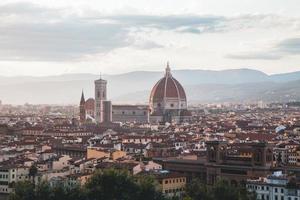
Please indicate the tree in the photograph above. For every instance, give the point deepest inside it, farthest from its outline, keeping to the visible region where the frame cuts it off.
(148, 188)
(223, 191)
(42, 191)
(23, 191)
(111, 184)
(197, 190)
(33, 172)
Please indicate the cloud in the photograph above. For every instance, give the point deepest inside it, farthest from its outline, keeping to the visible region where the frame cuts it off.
(59, 41)
(29, 32)
(255, 55)
(183, 23)
(290, 46)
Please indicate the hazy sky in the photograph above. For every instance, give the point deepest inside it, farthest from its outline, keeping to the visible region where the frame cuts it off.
(45, 37)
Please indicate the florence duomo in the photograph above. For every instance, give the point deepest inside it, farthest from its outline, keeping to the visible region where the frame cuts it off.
(221, 121)
(167, 103)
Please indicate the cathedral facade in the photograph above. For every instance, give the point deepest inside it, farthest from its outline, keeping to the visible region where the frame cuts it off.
(168, 103)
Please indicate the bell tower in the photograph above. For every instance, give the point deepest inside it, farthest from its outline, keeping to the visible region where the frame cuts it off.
(100, 96)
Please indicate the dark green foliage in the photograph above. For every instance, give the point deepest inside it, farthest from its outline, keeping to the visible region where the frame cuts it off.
(23, 191)
(106, 185)
(197, 190)
(222, 190)
(119, 185)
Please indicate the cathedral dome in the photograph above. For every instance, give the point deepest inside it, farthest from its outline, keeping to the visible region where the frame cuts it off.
(167, 88)
(167, 95)
(90, 104)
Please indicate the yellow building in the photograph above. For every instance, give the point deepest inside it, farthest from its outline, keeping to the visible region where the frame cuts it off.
(171, 184)
(117, 154)
(97, 153)
(298, 157)
(94, 153)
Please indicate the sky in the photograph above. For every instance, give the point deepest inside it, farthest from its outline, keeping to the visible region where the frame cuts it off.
(43, 37)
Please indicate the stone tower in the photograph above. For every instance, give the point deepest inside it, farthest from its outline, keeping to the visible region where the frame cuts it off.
(82, 114)
(100, 96)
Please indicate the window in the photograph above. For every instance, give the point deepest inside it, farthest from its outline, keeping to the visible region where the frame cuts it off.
(166, 182)
(276, 190)
(276, 197)
(282, 191)
(172, 105)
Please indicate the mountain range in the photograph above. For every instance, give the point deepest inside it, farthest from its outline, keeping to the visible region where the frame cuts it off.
(202, 86)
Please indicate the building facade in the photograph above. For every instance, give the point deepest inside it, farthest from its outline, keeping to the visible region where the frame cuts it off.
(274, 187)
(130, 113)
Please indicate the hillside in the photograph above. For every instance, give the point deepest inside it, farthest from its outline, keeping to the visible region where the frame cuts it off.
(134, 87)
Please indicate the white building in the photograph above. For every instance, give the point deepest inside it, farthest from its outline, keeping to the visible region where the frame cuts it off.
(274, 187)
(10, 175)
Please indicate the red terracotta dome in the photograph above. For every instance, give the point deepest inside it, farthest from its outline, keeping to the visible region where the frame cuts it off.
(167, 87)
(90, 104)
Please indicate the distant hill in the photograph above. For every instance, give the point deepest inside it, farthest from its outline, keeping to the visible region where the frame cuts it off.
(293, 76)
(134, 87)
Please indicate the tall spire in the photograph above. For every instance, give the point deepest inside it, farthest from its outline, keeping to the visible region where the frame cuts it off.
(82, 97)
(168, 69)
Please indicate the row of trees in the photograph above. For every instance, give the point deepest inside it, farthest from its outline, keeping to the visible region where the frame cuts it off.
(106, 185)
(119, 185)
(222, 190)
